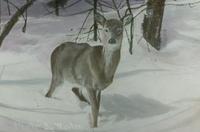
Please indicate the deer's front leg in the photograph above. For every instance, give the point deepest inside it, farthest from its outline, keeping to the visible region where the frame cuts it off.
(98, 93)
(79, 94)
(94, 107)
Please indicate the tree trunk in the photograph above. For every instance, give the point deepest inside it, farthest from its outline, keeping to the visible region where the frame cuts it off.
(95, 23)
(153, 22)
(57, 7)
(13, 20)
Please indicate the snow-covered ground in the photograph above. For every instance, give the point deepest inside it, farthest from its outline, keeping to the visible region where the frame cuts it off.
(152, 91)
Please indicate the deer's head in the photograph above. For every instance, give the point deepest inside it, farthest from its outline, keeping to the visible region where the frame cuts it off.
(112, 30)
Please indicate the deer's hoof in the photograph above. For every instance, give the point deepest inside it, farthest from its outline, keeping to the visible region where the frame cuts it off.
(48, 96)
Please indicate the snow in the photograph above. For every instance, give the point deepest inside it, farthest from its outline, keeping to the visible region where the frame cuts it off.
(152, 91)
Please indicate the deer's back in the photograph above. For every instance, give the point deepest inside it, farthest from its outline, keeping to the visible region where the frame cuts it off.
(75, 63)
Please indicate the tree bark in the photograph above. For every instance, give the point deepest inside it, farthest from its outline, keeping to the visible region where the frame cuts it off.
(95, 23)
(153, 22)
(10, 24)
(57, 7)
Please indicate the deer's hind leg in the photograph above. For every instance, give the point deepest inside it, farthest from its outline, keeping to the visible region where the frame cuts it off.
(57, 74)
(79, 94)
(56, 81)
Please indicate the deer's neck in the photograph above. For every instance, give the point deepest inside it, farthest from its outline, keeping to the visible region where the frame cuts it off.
(111, 57)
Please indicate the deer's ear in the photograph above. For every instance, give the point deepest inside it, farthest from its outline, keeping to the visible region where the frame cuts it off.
(100, 19)
(127, 19)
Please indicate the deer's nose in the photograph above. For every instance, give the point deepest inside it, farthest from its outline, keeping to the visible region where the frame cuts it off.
(112, 41)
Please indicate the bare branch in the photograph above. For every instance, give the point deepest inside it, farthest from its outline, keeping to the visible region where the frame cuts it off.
(131, 28)
(26, 19)
(83, 25)
(15, 7)
(116, 8)
(8, 7)
(10, 24)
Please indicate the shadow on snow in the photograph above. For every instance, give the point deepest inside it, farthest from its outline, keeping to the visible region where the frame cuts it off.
(134, 106)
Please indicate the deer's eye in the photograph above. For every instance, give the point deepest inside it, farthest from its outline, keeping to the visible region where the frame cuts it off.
(106, 30)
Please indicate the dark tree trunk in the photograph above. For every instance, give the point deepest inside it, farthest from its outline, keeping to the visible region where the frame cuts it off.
(153, 22)
(57, 7)
(95, 23)
(13, 20)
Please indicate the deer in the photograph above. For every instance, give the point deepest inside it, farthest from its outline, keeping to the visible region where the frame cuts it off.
(91, 67)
